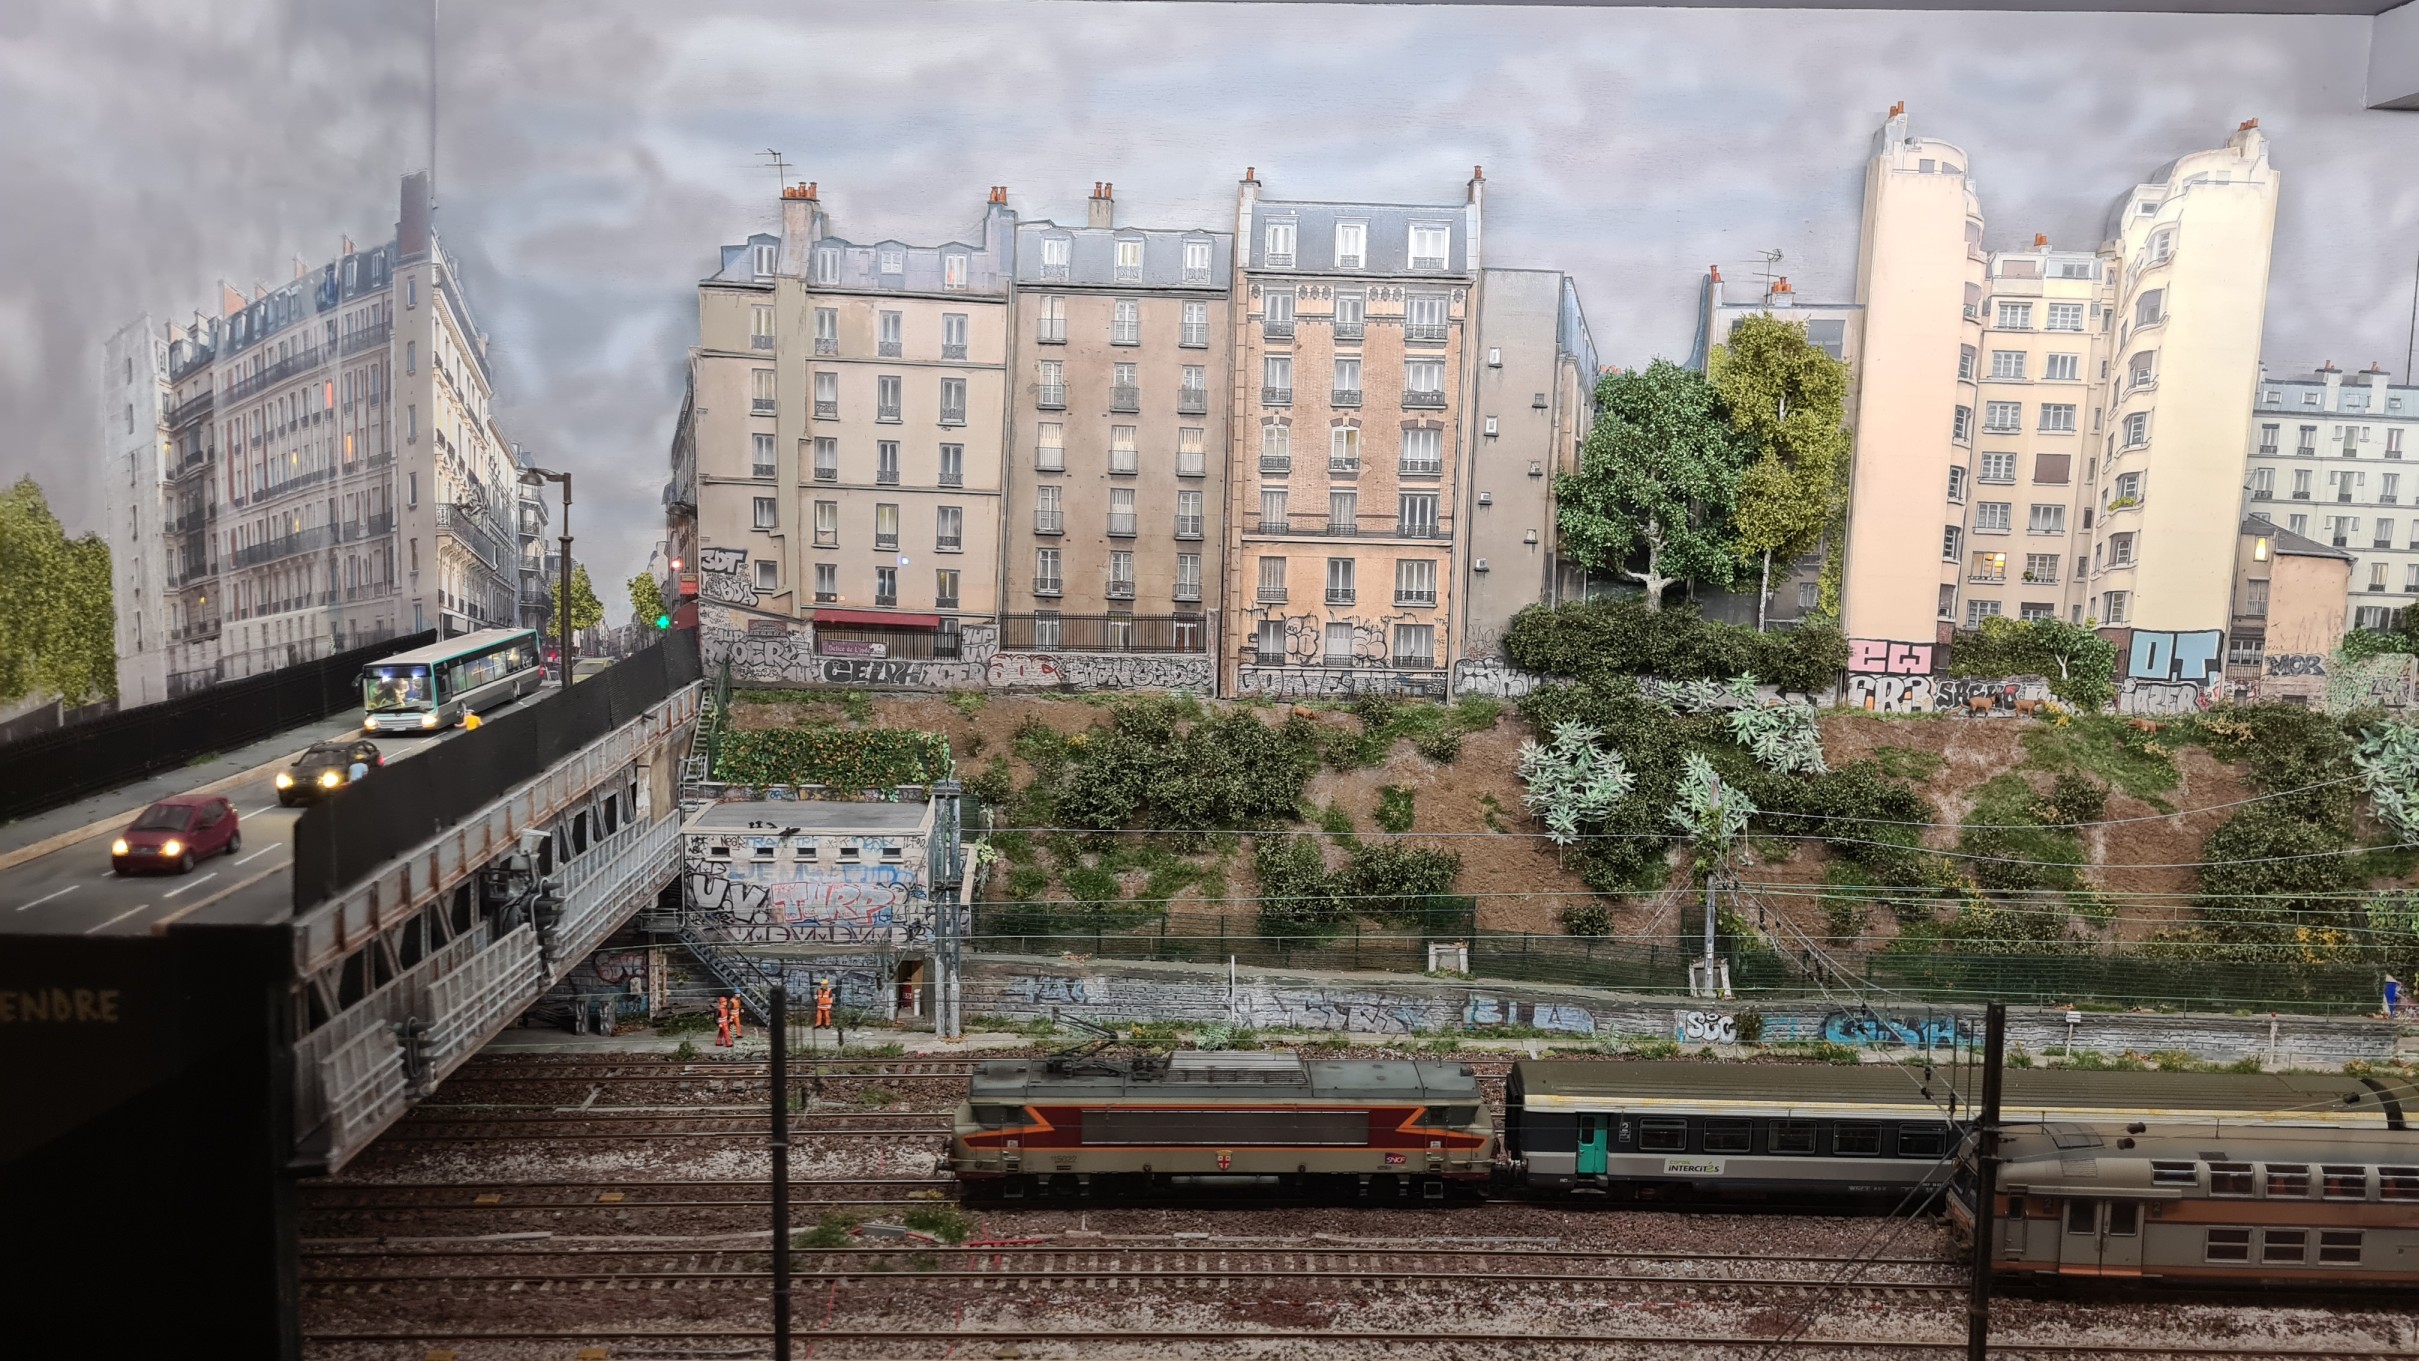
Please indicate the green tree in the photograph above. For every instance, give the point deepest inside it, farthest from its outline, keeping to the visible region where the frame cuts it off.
(646, 600)
(586, 611)
(1658, 478)
(58, 635)
(2083, 664)
(1789, 399)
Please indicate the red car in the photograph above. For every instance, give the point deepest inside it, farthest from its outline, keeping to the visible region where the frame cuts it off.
(174, 833)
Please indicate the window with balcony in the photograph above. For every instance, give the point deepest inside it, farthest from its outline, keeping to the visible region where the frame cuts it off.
(1344, 449)
(1121, 513)
(1056, 252)
(2308, 445)
(760, 327)
(2125, 491)
(1051, 388)
(1415, 646)
(949, 529)
(1191, 460)
(1046, 577)
(1193, 331)
(760, 394)
(1340, 581)
(2120, 550)
(1431, 244)
(1424, 318)
(2007, 365)
(886, 527)
(1272, 592)
(764, 463)
(1272, 510)
(1127, 266)
(2015, 316)
(1343, 512)
(886, 463)
(887, 389)
(890, 328)
(1276, 380)
(1277, 245)
(1337, 644)
(1188, 514)
(1415, 515)
(2301, 483)
(1276, 448)
(1125, 389)
(1050, 447)
(1125, 322)
(2041, 569)
(1347, 388)
(1351, 244)
(1998, 467)
(1350, 316)
(1268, 643)
(1277, 313)
(2347, 484)
(1121, 575)
(1424, 384)
(1423, 453)
(827, 524)
(953, 401)
(1046, 516)
(1197, 263)
(1988, 567)
(827, 583)
(953, 465)
(2263, 484)
(2393, 441)
(886, 586)
(827, 459)
(1192, 393)
(2057, 418)
(945, 588)
(2066, 316)
(827, 330)
(1188, 576)
(1123, 457)
(1415, 581)
(1050, 320)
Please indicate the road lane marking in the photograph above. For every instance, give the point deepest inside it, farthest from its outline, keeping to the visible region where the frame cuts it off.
(106, 874)
(260, 810)
(116, 919)
(160, 927)
(48, 896)
(258, 854)
(196, 883)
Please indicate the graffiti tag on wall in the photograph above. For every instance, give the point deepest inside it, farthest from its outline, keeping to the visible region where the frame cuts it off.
(1892, 694)
(1493, 678)
(2170, 673)
(1321, 1009)
(1882, 657)
(1338, 683)
(840, 904)
(1704, 1027)
(722, 576)
(1099, 671)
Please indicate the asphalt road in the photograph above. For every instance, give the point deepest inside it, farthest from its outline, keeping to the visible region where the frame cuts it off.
(73, 891)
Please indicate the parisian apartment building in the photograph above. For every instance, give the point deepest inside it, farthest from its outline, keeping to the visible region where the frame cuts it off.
(1259, 441)
(2330, 460)
(314, 467)
(2074, 421)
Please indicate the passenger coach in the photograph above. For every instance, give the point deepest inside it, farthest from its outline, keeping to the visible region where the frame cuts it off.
(1390, 1129)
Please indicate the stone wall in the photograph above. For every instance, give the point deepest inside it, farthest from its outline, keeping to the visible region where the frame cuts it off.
(1396, 1004)
(773, 650)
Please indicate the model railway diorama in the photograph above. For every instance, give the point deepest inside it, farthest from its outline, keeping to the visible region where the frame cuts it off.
(2299, 1179)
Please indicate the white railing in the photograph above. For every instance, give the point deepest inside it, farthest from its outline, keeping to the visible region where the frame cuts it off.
(363, 1081)
(503, 978)
(597, 889)
(404, 998)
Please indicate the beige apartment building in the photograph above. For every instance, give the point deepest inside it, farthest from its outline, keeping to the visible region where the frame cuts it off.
(845, 420)
(2019, 399)
(1350, 394)
(1535, 397)
(316, 467)
(2330, 456)
(1115, 501)
(2287, 613)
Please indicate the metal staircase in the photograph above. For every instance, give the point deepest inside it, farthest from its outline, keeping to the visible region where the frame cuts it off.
(733, 972)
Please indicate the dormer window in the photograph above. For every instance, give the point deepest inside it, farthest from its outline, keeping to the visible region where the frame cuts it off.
(1430, 245)
(1351, 244)
(1129, 259)
(1196, 262)
(827, 264)
(953, 270)
(766, 256)
(1277, 246)
(1055, 253)
(893, 260)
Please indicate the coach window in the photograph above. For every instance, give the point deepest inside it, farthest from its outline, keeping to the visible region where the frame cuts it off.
(2288, 1181)
(2174, 1173)
(1729, 1136)
(2124, 1218)
(2230, 1179)
(1663, 1136)
(2345, 1183)
(1793, 1136)
(2083, 1216)
(1855, 1139)
(1922, 1141)
(2227, 1245)
(2284, 1245)
(2339, 1247)
(2398, 1183)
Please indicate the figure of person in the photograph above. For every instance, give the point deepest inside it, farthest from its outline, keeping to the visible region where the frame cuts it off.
(823, 1004)
(722, 1022)
(739, 1021)
(2393, 995)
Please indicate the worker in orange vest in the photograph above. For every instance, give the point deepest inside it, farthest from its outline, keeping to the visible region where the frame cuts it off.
(739, 1021)
(823, 1004)
(722, 1022)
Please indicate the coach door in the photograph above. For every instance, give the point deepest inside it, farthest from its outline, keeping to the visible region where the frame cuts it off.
(2102, 1238)
(1591, 1145)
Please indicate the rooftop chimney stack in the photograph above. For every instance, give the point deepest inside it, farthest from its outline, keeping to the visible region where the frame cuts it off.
(2040, 240)
(801, 222)
(1102, 210)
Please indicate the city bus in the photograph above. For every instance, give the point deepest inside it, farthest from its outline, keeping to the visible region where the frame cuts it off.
(433, 687)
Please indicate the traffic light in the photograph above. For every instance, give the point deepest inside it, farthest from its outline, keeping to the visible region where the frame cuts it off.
(663, 621)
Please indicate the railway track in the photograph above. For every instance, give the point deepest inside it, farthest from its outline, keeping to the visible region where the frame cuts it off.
(549, 1129)
(801, 1066)
(634, 1194)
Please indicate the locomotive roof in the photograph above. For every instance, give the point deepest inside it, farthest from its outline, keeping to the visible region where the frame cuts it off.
(2068, 1159)
(2028, 1093)
(1246, 1078)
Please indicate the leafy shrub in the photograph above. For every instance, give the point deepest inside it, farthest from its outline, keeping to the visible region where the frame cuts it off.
(841, 758)
(1385, 880)
(1028, 882)
(1587, 917)
(1395, 805)
(2073, 798)
(1091, 884)
(1572, 781)
(945, 1222)
(2290, 872)
(1440, 746)
(2081, 665)
(968, 703)
(1334, 821)
(1783, 737)
(1750, 1027)
(1296, 898)
(2023, 855)
(1230, 770)
(1619, 636)
(994, 785)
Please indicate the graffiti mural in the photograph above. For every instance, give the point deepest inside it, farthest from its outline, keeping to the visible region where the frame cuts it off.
(2387, 681)
(2162, 656)
(1322, 1009)
(1881, 657)
(1920, 1031)
(1492, 678)
(841, 904)
(1891, 694)
(1704, 1027)
(1099, 671)
(1045, 990)
(1981, 698)
(1339, 683)
(2296, 664)
(2151, 698)
(722, 576)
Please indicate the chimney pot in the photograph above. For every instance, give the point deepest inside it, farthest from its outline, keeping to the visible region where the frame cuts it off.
(1715, 272)
(1251, 172)
(1478, 172)
(1898, 108)
(2040, 240)
(2247, 125)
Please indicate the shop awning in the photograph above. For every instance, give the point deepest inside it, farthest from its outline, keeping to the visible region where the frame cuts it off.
(878, 619)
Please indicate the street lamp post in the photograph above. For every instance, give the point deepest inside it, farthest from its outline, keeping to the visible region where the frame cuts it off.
(538, 477)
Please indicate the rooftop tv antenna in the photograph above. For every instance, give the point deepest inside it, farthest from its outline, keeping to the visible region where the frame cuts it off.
(781, 169)
(1771, 271)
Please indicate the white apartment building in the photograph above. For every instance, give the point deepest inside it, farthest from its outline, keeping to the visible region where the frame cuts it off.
(2329, 459)
(312, 469)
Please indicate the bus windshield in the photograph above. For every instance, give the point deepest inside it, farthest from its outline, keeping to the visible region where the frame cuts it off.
(394, 689)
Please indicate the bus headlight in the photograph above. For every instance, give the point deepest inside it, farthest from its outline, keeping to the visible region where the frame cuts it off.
(428, 720)
(285, 780)
(118, 847)
(330, 780)
(172, 847)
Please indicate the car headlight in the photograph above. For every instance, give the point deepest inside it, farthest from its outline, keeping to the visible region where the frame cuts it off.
(172, 846)
(285, 780)
(118, 847)
(330, 780)
(428, 720)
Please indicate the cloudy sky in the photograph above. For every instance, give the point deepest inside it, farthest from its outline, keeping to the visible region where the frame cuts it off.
(593, 153)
